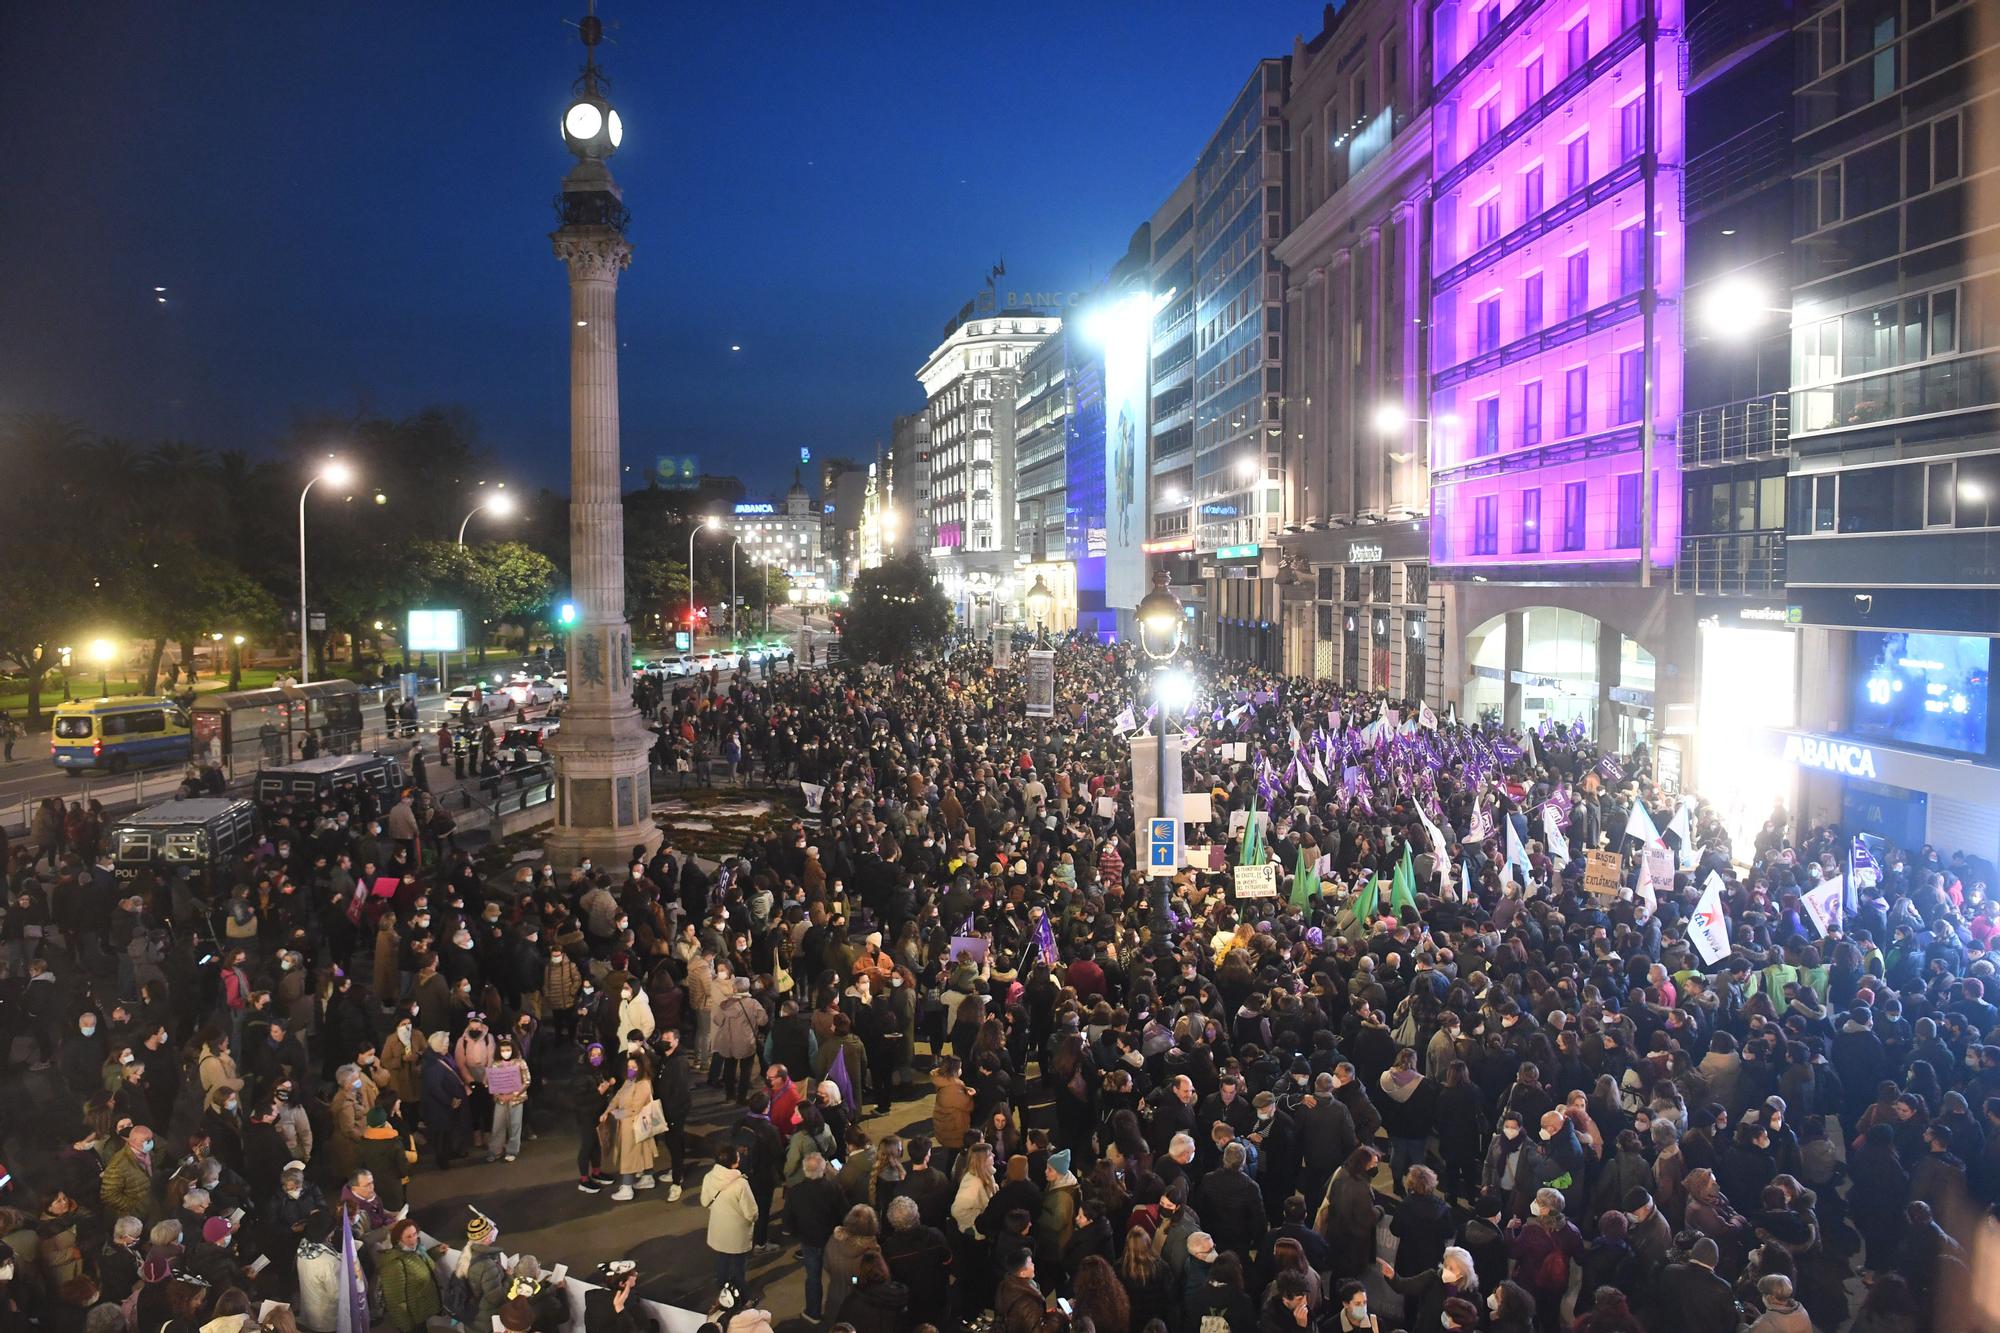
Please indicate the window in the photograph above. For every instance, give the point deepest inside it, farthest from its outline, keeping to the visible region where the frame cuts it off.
(1486, 119)
(1944, 323)
(1531, 82)
(1828, 210)
(1576, 41)
(1882, 69)
(1629, 494)
(1940, 486)
(1379, 578)
(1531, 413)
(1531, 192)
(1531, 303)
(1576, 294)
(1484, 21)
(1486, 525)
(1487, 221)
(1631, 385)
(1576, 399)
(1488, 334)
(1486, 426)
(1632, 129)
(1574, 516)
(1528, 533)
(1576, 162)
(1819, 351)
(1631, 259)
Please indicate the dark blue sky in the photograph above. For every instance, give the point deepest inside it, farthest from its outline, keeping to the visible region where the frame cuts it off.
(349, 205)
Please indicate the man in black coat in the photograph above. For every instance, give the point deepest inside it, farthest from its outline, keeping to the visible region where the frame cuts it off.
(1173, 1113)
(1690, 1295)
(1277, 1140)
(1326, 1135)
(930, 1189)
(1231, 1206)
(763, 1157)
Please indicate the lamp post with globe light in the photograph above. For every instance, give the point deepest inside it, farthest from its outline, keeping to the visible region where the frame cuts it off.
(1159, 619)
(102, 652)
(604, 797)
(1038, 599)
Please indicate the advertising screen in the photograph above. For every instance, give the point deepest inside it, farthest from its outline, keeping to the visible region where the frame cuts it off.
(1927, 690)
(1125, 453)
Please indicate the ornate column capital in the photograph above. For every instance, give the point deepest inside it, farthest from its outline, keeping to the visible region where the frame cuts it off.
(592, 252)
(1316, 276)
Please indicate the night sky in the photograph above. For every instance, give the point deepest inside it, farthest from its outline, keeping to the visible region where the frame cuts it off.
(349, 205)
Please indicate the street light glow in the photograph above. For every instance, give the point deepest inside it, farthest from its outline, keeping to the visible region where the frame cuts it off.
(1175, 691)
(714, 522)
(336, 473)
(1391, 419)
(1247, 469)
(103, 651)
(501, 505)
(1736, 308)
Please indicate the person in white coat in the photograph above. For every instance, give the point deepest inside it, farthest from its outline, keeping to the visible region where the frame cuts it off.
(635, 1012)
(732, 1217)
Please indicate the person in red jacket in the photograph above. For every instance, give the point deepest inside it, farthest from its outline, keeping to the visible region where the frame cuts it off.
(784, 1100)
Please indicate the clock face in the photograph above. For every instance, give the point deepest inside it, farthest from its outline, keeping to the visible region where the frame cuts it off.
(583, 121)
(617, 129)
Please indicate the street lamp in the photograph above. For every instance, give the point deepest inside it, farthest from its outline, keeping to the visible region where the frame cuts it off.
(712, 523)
(1038, 599)
(1736, 308)
(102, 651)
(1159, 616)
(334, 473)
(501, 505)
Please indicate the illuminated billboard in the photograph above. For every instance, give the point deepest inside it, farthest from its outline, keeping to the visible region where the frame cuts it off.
(435, 632)
(1126, 338)
(678, 472)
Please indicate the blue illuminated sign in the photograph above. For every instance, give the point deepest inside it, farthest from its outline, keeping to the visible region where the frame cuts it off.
(756, 509)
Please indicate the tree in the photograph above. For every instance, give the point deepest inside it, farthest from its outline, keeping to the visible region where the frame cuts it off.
(895, 611)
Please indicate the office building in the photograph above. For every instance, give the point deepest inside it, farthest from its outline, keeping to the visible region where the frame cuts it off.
(1041, 485)
(907, 483)
(1170, 540)
(970, 382)
(1354, 541)
(788, 535)
(1555, 361)
(1892, 552)
(1239, 218)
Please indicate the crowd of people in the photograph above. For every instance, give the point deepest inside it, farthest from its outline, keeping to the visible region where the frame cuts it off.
(1432, 1082)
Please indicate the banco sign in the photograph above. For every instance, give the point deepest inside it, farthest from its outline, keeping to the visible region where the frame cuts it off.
(1854, 761)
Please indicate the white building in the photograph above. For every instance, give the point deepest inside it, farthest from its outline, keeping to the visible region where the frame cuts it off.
(787, 536)
(970, 383)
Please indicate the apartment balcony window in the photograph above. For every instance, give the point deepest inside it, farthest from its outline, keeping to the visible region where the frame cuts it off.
(1486, 525)
(1528, 532)
(1531, 304)
(1486, 427)
(1632, 129)
(1487, 336)
(1532, 80)
(1487, 228)
(1575, 534)
(1531, 193)
(1629, 494)
(1531, 413)
(1576, 164)
(1576, 43)
(1576, 400)
(1631, 385)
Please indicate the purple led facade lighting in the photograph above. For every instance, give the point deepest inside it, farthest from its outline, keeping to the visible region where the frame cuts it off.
(1538, 262)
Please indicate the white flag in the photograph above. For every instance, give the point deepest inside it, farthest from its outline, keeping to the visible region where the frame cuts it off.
(1552, 833)
(1426, 718)
(1682, 827)
(1825, 905)
(1480, 828)
(1639, 824)
(1126, 722)
(814, 793)
(1517, 851)
(1708, 928)
(1438, 855)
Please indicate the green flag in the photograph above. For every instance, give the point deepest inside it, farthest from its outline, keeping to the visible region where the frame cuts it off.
(1403, 891)
(1366, 902)
(1305, 884)
(1252, 851)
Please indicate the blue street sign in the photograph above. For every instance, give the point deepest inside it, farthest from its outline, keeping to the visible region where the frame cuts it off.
(1161, 840)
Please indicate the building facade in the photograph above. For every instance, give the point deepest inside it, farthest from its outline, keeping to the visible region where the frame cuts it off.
(1354, 546)
(970, 382)
(1892, 549)
(906, 483)
(1041, 411)
(787, 535)
(1239, 218)
(1556, 275)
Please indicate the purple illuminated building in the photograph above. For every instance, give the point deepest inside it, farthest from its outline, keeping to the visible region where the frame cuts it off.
(1547, 145)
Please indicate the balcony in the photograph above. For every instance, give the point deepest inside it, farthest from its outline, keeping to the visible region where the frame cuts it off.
(1731, 564)
(1722, 26)
(1736, 432)
(1757, 158)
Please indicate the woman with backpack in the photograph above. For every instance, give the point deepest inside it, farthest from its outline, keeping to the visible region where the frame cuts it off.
(1543, 1246)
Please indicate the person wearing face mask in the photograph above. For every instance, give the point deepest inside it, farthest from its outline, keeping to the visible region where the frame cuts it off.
(408, 1281)
(635, 1010)
(600, 1080)
(628, 1153)
(127, 1187)
(84, 1051)
(443, 1099)
(1543, 1248)
(506, 1081)
(402, 1056)
(1509, 1309)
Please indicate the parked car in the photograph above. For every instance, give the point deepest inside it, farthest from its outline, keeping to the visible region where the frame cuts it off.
(469, 701)
(532, 694)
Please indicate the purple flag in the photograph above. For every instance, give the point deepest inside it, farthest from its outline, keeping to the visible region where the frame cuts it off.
(1610, 769)
(351, 1315)
(836, 1074)
(1045, 940)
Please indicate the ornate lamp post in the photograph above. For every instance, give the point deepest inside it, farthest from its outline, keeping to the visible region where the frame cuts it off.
(1159, 617)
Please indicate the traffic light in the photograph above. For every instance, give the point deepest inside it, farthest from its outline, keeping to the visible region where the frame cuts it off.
(566, 614)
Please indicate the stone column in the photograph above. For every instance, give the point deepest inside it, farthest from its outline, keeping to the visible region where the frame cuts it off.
(604, 792)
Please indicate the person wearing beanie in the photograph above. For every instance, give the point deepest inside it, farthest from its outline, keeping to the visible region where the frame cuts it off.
(1689, 1293)
(1782, 1311)
(1459, 1315)
(381, 1156)
(1057, 1219)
